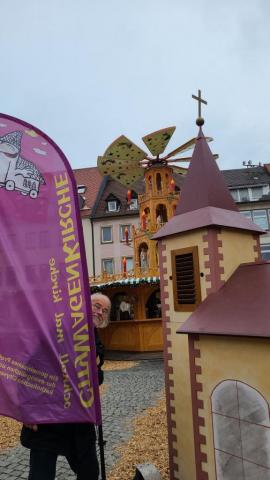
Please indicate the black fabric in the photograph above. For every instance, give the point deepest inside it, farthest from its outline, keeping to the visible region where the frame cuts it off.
(100, 357)
(99, 349)
(43, 464)
(59, 438)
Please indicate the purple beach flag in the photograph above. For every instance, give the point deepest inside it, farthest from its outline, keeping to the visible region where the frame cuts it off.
(48, 370)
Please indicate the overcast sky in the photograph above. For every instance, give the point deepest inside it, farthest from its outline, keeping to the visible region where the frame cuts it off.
(86, 71)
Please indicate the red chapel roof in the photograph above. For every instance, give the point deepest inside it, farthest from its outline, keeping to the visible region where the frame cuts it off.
(205, 217)
(241, 307)
(205, 199)
(204, 185)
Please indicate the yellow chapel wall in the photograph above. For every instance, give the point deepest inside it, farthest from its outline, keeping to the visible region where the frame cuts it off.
(235, 247)
(179, 364)
(239, 358)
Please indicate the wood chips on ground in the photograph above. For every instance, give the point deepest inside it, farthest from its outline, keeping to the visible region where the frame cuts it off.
(110, 365)
(148, 444)
(9, 432)
(10, 429)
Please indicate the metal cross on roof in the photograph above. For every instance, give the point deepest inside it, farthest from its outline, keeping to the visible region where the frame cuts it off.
(200, 101)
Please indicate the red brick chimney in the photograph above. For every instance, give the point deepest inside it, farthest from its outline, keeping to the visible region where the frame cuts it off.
(267, 166)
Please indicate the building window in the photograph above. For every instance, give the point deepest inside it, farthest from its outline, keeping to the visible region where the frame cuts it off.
(133, 204)
(247, 213)
(243, 195)
(106, 235)
(234, 194)
(81, 189)
(108, 265)
(113, 206)
(246, 194)
(257, 216)
(256, 193)
(129, 263)
(241, 431)
(265, 251)
(186, 279)
(123, 232)
(260, 218)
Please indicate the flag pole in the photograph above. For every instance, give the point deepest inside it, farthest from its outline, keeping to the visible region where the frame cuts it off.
(101, 444)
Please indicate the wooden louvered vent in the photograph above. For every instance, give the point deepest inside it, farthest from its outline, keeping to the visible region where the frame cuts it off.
(186, 279)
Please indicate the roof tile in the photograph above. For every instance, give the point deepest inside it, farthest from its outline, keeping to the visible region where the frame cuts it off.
(91, 178)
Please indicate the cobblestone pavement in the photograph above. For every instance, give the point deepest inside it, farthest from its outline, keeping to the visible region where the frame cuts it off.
(129, 393)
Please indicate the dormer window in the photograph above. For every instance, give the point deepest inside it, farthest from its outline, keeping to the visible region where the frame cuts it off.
(133, 204)
(81, 189)
(132, 199)
(249, 194)
(113, 204)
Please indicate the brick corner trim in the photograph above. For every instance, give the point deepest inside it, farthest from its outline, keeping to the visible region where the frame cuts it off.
(199, 440)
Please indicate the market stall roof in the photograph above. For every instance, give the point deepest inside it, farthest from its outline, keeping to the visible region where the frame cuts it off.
(132, 281)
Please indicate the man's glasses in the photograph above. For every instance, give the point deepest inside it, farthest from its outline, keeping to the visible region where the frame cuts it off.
(99, 307)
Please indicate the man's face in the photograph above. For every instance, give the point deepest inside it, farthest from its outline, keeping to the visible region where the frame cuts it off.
(100, 310)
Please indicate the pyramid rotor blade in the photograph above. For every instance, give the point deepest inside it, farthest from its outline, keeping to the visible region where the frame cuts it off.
(184, 159)
(188, 159)
(157, 141)
(126, 176)
(186, 146)
(121, 161)
(124, 150)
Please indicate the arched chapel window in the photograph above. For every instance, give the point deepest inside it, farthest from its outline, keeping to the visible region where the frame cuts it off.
(241, 432)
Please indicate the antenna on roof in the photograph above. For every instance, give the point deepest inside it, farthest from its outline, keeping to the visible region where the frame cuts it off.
(250, 164)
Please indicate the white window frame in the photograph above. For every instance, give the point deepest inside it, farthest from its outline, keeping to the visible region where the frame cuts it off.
(112, 206)
(235, 192)
(103, 261)
(252, 216)
(266, 218)
(255, 199)
(133, 204)
(101, 234)
(247, 214)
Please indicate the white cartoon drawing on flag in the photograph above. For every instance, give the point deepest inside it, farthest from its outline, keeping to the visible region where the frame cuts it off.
(17, 173)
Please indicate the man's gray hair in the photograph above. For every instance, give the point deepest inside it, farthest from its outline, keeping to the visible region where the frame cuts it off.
(96, 296)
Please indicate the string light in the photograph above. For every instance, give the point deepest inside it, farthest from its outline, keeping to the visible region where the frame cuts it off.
(124, 265)
(172, 185)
